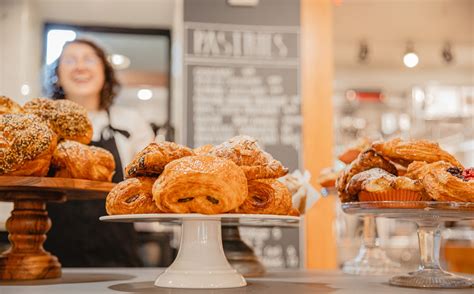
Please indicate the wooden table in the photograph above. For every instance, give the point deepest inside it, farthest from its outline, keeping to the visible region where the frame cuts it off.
(140, 280)
(29, 222)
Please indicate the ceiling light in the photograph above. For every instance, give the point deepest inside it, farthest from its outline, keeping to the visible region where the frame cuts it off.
(119, 61)
(25, 89)
(410, 59)
(145, 94)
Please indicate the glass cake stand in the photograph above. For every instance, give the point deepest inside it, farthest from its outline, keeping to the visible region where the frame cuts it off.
(201, 263)
(428, 216)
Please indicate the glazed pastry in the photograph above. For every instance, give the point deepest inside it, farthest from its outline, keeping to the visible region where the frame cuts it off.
(132, 196)
(379, 185)
(152, 160)
(266, 196)
(26, 145)
(351, 153)
(365, 161)
(75, 160)
(405, 152)
(203, 150)
(246, 153)
(66, 118)
(7, 105)
(443, 181)
(200, 184)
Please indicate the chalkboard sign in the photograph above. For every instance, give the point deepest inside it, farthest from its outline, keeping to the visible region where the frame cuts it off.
(241, 76)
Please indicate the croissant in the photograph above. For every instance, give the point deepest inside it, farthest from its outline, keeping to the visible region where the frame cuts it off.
(200, 184)
(246, 153)
(132, 196)
(152, 160)
(365, 161)
(26, 145)
(266, 196)
(405, 152)
(75, 160)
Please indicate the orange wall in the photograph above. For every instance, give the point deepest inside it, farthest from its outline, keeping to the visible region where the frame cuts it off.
(316, 89)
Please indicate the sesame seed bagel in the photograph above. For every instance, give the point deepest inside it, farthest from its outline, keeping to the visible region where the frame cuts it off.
(26, 145)
(66, 118)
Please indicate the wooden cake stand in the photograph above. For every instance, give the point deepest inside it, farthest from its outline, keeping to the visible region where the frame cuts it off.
(28, 223)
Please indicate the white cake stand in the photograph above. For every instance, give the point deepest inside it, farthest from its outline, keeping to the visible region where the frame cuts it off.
(428, 216)
(201, 263)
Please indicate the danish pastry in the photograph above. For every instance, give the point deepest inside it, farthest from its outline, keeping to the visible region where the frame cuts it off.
(365, 161)
(405, 152)
(7, 105)
(132, 196)
(26, 145)
(246, 153)
(378, 185)
(66, 118)
(152, 160)
(75, 160)
(266, 196)
(443, 181)
(200, 184)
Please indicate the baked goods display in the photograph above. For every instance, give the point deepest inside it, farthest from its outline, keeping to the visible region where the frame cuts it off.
(200, 184)
(132, 196)
(47, 137)
(67, 119)
(234, 177)
(429, 173)
(7, 106)
(151, 161)
(351, 153)
(75, 160)
(26, 145)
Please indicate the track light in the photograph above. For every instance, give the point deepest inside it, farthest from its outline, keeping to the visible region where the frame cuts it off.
(410, 59)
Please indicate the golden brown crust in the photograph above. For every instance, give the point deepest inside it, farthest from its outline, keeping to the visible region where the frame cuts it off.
(405, 152)
(266, 196)
(203, 150)
(26, 145)
(152, 160)
(378, 180)
(67, 119)
(365, 161)
(75, 160)
(351, 153)
(200, 184)
(327, 178)
(132, 196)
(440, 184)
(246, 153)
(7, 105)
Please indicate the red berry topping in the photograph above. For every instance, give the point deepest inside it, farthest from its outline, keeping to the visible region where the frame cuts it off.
(468, 174)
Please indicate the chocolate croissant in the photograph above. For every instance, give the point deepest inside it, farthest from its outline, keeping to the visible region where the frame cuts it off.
(267, 196)
(200, 184)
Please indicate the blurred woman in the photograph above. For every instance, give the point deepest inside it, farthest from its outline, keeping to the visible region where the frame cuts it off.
(82, 74)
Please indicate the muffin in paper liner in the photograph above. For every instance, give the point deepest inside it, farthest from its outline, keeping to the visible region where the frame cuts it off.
(392, 195)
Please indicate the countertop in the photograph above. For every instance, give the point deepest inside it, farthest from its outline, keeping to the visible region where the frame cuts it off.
(140, 280)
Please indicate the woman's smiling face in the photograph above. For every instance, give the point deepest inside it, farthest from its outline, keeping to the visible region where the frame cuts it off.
(81, 71)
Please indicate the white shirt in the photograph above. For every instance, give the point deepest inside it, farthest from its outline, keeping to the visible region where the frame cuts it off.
(128, 120)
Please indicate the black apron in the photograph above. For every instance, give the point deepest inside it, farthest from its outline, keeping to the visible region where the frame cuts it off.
(79, 239)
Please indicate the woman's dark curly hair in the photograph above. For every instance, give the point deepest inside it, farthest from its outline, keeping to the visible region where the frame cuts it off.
(111, 85)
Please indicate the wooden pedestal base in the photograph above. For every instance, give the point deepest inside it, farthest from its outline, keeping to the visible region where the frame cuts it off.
(26, 259)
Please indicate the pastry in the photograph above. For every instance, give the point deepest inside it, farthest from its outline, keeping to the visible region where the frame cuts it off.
(203, 150)
(132, 196)
(200, 184)
(365, 161)
(327, 178)
(75, 160)
(351, 153)
(379, 185)
(405, 152)
(26, 145)
(7, 105)
(66, 118)
(266, 196)
(152, 160)
(246, 153)
(443, 181)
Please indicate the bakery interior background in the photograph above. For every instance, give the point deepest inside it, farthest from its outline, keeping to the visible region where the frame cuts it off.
(401, 68)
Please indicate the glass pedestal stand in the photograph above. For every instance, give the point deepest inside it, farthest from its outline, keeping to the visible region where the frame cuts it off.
(428, 216)
(371, 259)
